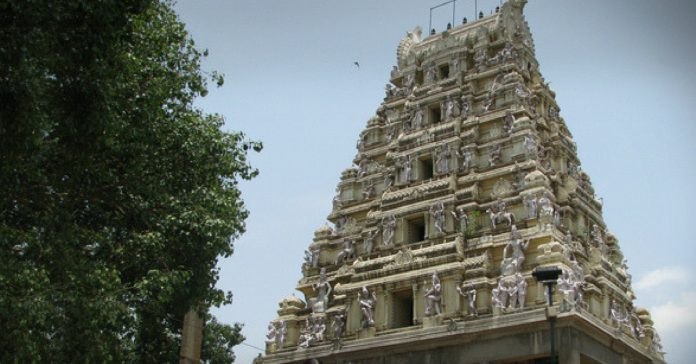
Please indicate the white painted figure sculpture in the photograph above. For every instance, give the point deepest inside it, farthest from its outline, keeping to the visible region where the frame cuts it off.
(438, 213)
(470, 295)
(494, 157)
(500, 215)
(388, 226)
(431, 74)
(282, 331)
(599, 239)
(323, 290)
(417, 120)
(442, 160)
(453, 66)
(348, 252)
(531, 205)
(370, 241)
(521, 290)
(407, 170)
(460, 215)
(271, 334)
(433, 297)
(500, 295)
(465, 156)
(367, 303)
(530, 145)
(339, 323)
(368, 190)
(515, 248)
(451, 109)
(311, 257)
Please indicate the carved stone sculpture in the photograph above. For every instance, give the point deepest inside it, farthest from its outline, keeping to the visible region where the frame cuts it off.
(348, 252)
(438, 213)
(530, 146)
(370, 241)
(388, 226)
(453, 66)
(417, 121)
(500, 295)
(494, 157)
(323, 290)
(521, 290)
(431, 74)
(368, 190)
(460, 215)
(367, 303)
(271, 334)
(433, 297)
(545, 205)
(531, 204)
(464, 113)
(513, 255)
(282, 331)
(599, 240)
(470, 295)
(442, 160)
(500, 215)
(451, 109)
(339, 323)
(465, 156)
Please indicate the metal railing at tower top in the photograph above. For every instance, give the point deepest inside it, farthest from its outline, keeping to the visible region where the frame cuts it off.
(454, 9)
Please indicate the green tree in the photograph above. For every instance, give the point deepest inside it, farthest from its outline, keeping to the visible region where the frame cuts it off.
(117, 195)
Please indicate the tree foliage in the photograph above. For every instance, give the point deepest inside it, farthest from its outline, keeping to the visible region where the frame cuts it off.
(117, 195)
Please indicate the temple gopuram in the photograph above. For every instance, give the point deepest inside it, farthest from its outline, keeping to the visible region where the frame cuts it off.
(465, 188)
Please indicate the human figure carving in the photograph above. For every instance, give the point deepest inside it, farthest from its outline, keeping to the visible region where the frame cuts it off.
(370, 241)
(431, 74)
(437, 211)
(388, 226)
(545, 204)
(453, 66)
(516, 249)
(500, 215)
(470, 295)
(521, 290)
(433, 297)
(500, 295)
(494, 157)
(368, 190)
(465, 156)
(282, 331)
(339, 323)
(531, 204)
(530, 145)
(417, 120)
(323, 290)
(271, 334)
(460, 215)
(451, 109)
(348, 252)
(367, 303)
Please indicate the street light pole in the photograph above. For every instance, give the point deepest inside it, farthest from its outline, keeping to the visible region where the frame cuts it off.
(548, 276)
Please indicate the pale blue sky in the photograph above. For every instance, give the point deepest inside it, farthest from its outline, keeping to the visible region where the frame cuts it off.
(625, 80)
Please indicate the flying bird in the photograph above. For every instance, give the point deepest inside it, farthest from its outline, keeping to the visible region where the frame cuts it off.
(356, 64)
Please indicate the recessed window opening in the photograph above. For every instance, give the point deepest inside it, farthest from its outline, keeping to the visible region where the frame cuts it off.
(434, 114)
(444, 71)
(402, 309)
(425, 168)
(415, 230)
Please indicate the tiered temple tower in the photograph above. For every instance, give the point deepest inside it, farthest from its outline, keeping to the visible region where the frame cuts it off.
(465, 182)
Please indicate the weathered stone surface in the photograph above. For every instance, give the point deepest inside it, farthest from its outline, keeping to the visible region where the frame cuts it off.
(465, 181)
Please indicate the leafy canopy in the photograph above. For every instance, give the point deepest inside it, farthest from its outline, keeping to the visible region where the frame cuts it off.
(117, 196)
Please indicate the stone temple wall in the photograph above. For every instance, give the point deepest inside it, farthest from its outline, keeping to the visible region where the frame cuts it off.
(465, 181)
